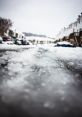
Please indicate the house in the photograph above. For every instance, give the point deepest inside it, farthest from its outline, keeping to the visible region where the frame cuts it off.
(39, 40)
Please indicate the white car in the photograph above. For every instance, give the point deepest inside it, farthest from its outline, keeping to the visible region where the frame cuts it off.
(64, 44)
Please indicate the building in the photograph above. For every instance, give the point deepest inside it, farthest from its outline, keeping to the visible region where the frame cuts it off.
(39, 40)
(71, 32)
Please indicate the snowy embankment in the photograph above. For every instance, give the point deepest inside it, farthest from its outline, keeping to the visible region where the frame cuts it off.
(14, 47)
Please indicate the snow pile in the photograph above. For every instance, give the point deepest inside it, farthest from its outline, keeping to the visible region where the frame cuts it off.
(64, 42)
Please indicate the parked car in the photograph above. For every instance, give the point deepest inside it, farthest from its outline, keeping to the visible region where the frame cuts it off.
(64, 44)
(25, 42)
(28, 43)
(18, 42)
(1, 40)
(6, 38)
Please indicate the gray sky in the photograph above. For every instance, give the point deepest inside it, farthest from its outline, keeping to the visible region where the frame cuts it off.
(41, 16)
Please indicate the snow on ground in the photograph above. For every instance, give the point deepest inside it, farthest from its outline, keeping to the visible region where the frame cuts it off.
(41, 77)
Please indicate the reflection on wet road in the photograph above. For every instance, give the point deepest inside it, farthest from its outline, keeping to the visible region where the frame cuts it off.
(41, 82)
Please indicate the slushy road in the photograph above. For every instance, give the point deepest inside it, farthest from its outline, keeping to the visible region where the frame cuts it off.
(41, 82)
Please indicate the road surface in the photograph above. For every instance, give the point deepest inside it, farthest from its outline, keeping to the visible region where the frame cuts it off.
(41, 82)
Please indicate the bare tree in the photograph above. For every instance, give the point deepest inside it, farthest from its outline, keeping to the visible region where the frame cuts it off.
(5, 24)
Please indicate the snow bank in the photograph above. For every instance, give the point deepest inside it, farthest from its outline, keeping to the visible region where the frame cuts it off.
(64, 42)
(14, 47)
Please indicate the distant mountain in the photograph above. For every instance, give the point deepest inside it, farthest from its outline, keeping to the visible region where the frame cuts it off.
(36, 35)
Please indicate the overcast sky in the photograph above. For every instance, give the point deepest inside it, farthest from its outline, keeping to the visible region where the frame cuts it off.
(41, 16)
